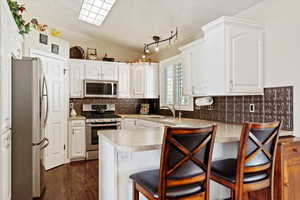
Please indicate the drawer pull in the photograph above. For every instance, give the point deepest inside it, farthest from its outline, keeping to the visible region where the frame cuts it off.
(286, 185)
(295, 150)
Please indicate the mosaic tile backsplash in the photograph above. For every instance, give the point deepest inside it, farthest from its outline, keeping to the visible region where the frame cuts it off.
(123, 106)
(275, 104)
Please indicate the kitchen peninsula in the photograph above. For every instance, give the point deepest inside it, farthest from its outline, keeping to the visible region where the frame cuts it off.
(127, 151)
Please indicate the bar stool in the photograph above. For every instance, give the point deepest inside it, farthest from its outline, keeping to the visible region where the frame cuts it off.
(254, 167)
(184, 166)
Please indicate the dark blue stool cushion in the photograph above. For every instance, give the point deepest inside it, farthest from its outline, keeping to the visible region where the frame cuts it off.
(149, 180)
(226, 169)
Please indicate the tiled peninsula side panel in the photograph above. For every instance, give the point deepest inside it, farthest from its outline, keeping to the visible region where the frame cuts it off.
(275, 104)
(123, 106)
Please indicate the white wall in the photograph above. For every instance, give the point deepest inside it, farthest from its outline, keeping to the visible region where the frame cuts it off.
(282, 21)
(170, 51)
(118, 52)
(32, 41)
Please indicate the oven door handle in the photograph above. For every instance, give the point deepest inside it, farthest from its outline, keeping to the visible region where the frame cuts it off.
(102, 125)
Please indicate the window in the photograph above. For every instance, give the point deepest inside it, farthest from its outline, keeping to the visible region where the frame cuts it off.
(180, 99)
(169, 85)
(172, 86)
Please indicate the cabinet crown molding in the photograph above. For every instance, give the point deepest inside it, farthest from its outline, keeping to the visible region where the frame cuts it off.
(191, 45)
(231, 20)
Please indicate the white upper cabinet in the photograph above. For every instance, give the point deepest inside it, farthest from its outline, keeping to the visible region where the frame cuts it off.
(98, 70)
(109, 71)
(76, 78)
(228, 61)
(140, 79)
(137, 80)
(92, 70)
(151, 80)
(81, 70)
(124, 80)
(196, 76)
(245, 46)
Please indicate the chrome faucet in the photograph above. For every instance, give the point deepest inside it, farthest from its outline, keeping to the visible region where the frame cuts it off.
(171, 108)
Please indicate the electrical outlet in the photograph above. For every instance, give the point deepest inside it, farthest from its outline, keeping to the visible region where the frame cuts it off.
(211, 107)
(252, 108)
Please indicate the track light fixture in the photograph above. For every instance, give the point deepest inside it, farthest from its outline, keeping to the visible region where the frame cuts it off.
(158, 40)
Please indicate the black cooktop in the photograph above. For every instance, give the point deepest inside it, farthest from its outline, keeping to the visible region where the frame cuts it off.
(97, 115)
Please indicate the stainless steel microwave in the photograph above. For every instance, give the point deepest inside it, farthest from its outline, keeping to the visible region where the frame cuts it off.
(94, 88)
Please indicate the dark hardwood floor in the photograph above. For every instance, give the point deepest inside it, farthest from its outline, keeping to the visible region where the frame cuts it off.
(74, 181)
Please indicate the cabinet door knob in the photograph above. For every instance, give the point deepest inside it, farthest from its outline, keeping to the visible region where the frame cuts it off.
(231, 84)
(286, 184)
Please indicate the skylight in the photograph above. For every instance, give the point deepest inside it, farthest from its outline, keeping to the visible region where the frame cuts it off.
(95, 11)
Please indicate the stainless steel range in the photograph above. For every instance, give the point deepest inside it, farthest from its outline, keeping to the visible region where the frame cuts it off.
(98, 117)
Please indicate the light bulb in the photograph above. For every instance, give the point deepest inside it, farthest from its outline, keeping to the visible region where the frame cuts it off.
(156, 49)
(147, 50)
(143, 56)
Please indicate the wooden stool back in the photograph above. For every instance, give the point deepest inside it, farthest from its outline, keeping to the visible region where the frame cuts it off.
(257, 152)
(186, 158)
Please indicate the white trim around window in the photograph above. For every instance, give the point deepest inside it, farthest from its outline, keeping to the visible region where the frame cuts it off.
(171, 84)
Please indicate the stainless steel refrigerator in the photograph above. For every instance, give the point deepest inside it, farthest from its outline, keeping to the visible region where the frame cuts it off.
(29, 117)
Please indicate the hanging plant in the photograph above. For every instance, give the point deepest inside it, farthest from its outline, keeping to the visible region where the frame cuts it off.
(17, 10)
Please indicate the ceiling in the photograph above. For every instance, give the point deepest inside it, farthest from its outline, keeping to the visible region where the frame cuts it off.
(131, 23)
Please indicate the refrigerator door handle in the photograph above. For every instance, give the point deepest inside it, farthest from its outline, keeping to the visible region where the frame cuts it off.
(47, 103)
(39, 143)
(46, 144)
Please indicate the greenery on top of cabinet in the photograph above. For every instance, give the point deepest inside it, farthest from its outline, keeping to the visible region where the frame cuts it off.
(17, 10)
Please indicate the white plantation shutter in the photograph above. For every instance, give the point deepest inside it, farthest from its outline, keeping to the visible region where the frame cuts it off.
(169, 85)
(180, 99)
(172, 87)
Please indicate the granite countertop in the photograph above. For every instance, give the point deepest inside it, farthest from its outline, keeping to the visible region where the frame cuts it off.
(190, 122)
(142, 139)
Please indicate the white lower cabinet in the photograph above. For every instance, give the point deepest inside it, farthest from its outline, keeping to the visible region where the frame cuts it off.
(77, 140)
(148, 124)
(128, 123)
(5, 166)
